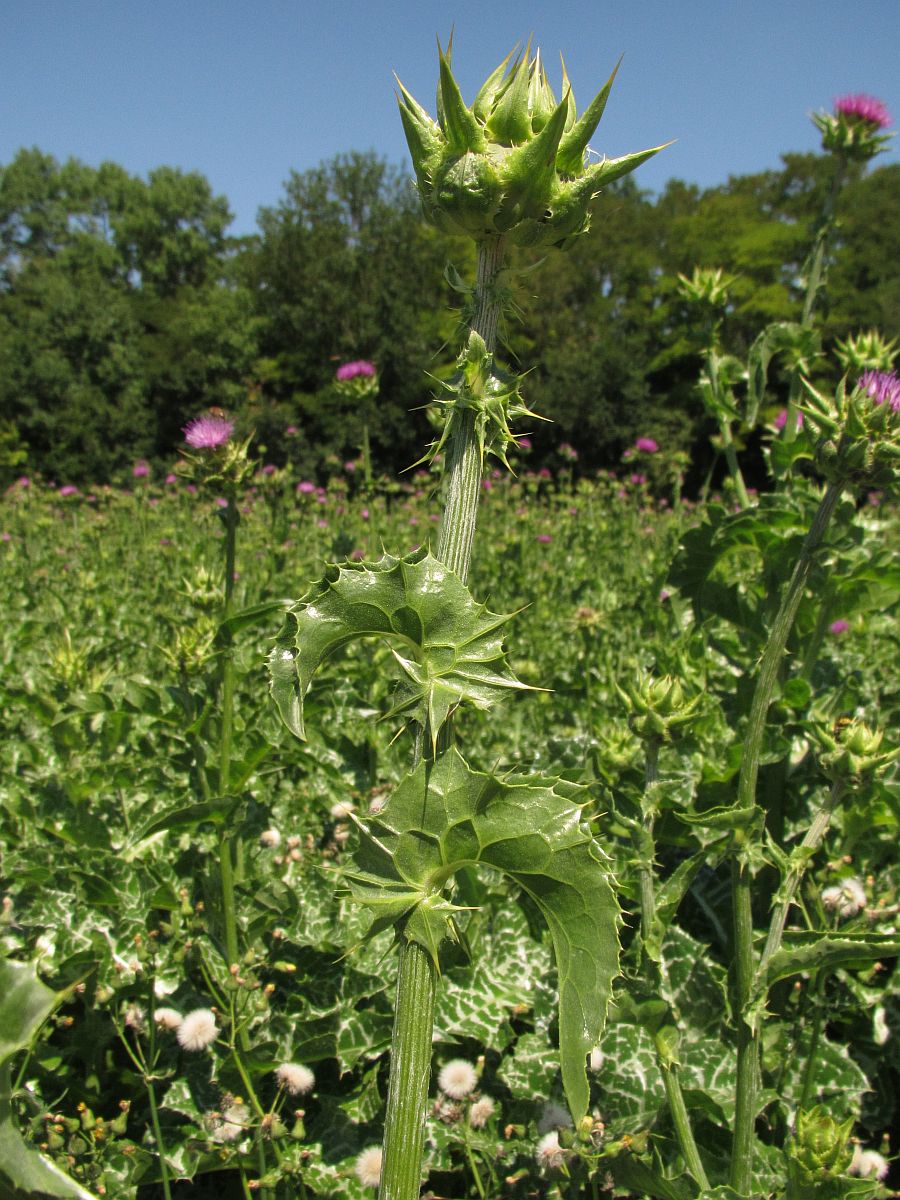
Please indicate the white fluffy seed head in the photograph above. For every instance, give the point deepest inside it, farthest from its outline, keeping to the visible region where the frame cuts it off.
(548, 1152)
(229, 1124)
(198, 1029)
(270, 838)
(481, 1112)
(368, 1166)
(846, 898)
(295, 1078)
(868, 1164)
(167, 1018)
(342, 809)
(554, 1116)
(457, 1078)
(596, 1059)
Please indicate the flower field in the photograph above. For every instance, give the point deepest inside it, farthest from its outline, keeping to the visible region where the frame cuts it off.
(273, 1069)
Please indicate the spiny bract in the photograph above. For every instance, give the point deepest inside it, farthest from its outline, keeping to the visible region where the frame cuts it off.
(514, 163)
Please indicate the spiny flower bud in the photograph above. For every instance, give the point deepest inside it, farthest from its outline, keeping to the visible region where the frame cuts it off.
(852, 753)
(514, 163)
(480, 385)
(859, 431)
(853, 129)
(865, 351)
(658, 708)
(820, 1148)
(707, 285)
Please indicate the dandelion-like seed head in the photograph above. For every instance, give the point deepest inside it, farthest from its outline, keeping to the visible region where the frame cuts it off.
(295, 1078)
(846, 898)
(270, 838)
(342, 809)
(548, 1153)
(368, 1166)
(208, 432)
(481, 1112)
(864, 108)
(167, 1018)
(229, 1124)
(554, 1116)
(457, 1078)
(198, 1029)
(868, 1164)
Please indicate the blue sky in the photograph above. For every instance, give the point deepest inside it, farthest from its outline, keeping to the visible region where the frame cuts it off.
(246, 91)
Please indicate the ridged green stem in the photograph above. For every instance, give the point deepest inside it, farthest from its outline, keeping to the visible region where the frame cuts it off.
(404, 1130)
(417, 978)
(747, 1086)
(226, 859)
(681, 1122)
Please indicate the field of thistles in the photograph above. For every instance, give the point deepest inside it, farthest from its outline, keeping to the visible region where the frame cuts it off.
(112, 810)
(347, 852)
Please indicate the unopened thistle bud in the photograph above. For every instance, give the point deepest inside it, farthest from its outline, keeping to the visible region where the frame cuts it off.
(820, 1148)
(852, 753)
(707, 286)
(658, 708)
(866, 351)
(514, 164)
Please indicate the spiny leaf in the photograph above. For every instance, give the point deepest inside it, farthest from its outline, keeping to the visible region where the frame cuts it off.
(448, 647)
(444, 816)
(25, 1005)
(810, 951)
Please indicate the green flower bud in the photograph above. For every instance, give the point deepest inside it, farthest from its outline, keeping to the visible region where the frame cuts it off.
(820, 1148)
(658, 708)
(858, 432)
(865, 351)
(514, 163)
(707, 286)
(852, 753)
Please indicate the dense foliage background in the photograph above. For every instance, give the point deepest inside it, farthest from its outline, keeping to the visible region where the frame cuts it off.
(125, 307)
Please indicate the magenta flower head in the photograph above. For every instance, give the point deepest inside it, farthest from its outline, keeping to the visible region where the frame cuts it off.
(881, 386)
(208, 432)
(864, 108)
(854, 129)
(839, 626)
(351, 370)
(141, 469)
(781, 419)
(647, 444)
(68, 489)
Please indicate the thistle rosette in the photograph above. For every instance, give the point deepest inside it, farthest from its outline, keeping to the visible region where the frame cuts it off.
(514, 164)
(858, 430)
(659, 709)
(854, 128)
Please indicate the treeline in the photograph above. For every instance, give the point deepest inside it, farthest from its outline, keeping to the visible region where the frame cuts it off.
(125, 308)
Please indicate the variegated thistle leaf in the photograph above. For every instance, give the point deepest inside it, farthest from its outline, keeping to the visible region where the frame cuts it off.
(448, 647)
(444, 816)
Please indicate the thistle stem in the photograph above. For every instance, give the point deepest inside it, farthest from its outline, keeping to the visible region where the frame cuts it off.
(226, 859)
(747, 1085)
(404, 1132)
(417, 978)
(681, 1122)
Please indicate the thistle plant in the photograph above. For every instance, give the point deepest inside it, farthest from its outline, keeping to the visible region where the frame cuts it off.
(511, 169)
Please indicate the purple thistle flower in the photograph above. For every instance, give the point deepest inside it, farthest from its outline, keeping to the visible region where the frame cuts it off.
(781, 419)
(648, 444)
(544, 538)
(171, 477)
(864, 108)
(881, 386)
(141, 469)
(291, 430)
(23, 482)
(350, 370)
(305, 487)
(839, 626)
(208, 432)
(68, 489)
